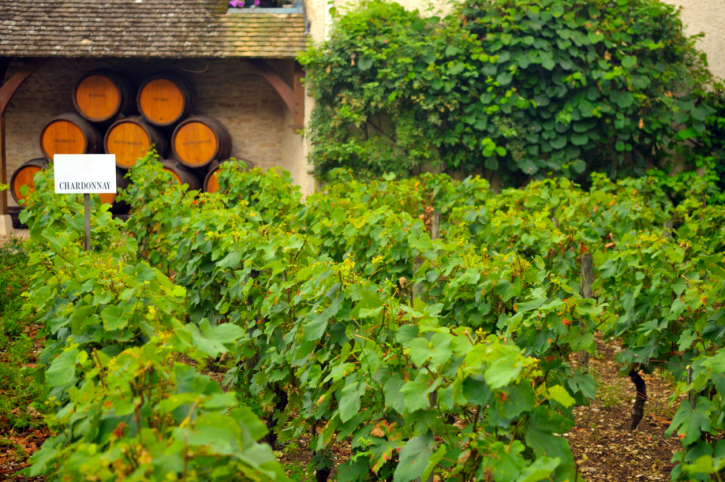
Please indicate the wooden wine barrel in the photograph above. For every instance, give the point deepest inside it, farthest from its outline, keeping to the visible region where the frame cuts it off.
(181, 174)
(69, 134)
(199, 140)
(165, 99)
(130, 138)
(101, 95)
(24, 175)
(211, 181)
(110, 198)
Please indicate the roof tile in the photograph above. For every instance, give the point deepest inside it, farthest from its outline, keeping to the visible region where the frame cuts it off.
(150, 28)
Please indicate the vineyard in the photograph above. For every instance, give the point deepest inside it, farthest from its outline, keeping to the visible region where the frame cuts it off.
(440, 331)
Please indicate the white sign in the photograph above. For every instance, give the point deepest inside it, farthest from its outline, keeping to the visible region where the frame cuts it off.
(85, 173)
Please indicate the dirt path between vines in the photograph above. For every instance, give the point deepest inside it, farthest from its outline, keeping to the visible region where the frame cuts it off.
(602, 443)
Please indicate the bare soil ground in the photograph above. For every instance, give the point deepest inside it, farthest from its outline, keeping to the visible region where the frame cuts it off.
(19, 233)
(604, 446)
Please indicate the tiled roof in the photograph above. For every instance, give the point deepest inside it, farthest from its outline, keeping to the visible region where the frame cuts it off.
(144, 28)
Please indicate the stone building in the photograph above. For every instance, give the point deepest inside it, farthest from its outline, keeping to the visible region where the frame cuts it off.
(241, 62)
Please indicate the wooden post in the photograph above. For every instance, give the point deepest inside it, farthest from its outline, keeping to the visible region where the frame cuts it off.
(553, 218)
(691, 395)
(667, 229)
(87, 220)
(3, 168)
(4, 64)
(435, 233)
(293, 97)
(586, 292)
(417, 287)
(435, 227)
(432, 400)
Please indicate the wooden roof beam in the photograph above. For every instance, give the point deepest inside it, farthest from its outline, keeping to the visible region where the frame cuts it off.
(293, 97)
(8, 88)
(7, 91)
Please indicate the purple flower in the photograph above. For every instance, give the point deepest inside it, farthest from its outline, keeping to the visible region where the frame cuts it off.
(256, 2)
(235, 3)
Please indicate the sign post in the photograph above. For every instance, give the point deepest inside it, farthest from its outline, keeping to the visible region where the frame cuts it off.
(85, 174)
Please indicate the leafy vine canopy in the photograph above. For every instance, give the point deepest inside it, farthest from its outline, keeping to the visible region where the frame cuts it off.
(521, 87)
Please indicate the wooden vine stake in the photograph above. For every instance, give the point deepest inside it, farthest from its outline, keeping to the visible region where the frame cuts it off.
(435, 227)
(639, 383)
(667, 229)
(586, 292)
(435, 233)
(87, 220)
(691, 395)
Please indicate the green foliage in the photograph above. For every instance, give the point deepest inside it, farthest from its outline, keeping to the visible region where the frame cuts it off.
(97, 303)
(152, 194)
(376, 112)
(705, 151)
(126, 407)
(13, 259)
(314, 292)
(144, 416)
(346, 316)
(64, 214)
(603, 77)
(523, 87)
(23, 394)
(272, 193)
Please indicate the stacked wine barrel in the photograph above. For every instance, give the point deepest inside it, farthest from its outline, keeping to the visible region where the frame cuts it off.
(112, 117)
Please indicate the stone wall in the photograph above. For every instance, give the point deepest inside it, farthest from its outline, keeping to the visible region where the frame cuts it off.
(228, 89)
(708, 17)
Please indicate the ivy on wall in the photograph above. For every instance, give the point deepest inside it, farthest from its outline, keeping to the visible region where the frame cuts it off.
(522, 87)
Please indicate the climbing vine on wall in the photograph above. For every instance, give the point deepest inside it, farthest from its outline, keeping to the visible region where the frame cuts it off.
(521, 87)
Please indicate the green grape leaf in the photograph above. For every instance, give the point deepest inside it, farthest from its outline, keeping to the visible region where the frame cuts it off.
(365, 63)
(691, 422)
(541, 469)
(231, 260)
(629, 61)
(62, 371)
(350, 401)
(579, 139)
(559, 394)
(414, 458)
(504, 78)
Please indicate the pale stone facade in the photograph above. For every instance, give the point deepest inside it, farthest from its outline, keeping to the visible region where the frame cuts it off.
(708, 17)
